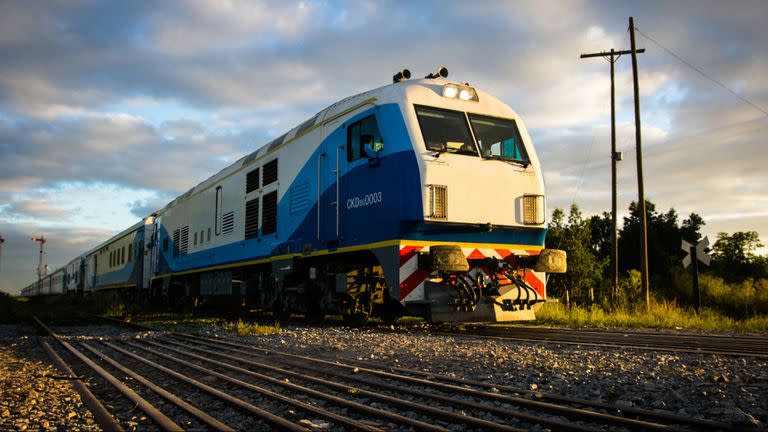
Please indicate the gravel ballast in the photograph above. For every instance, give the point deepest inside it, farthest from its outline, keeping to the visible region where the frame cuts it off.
(715, 387)
(35, 395)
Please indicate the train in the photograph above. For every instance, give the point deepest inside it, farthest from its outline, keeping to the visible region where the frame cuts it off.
(423, 197)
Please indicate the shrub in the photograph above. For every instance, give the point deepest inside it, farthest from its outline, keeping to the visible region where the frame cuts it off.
(663, 314)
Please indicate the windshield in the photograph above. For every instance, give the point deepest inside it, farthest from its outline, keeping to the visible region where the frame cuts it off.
(498, 138)
(445, 131)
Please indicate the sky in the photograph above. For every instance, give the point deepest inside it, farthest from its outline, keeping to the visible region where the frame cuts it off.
(108, 110)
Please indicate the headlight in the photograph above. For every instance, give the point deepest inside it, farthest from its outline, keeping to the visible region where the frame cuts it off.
(463, 92)
(533, 209)
(438, 201)
(450, 91)
(467, 94)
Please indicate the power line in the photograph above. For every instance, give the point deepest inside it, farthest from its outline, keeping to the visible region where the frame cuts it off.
(704, 74)
(583, 168)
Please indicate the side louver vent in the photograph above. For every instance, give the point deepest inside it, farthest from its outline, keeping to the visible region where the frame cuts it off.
(176, 237)
(184, 244)
(252, 181)
(299, 198)
(252, 218)
(269, 213)
(270, 172)
(228, 223)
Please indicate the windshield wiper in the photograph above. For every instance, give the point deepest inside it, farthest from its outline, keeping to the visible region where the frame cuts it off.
(524, 163)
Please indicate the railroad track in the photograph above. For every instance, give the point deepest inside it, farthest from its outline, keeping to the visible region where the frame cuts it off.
(732, 345)
(184, 381)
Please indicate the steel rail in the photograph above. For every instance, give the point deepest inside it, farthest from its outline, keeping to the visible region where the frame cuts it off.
(604, 344)
(668, 338)
(617, 331)
(755, 346)
(273, 419)
(625, 409)
(101, 416)
(731, 345)
(163, 421)
(560, 425)
(416, 424)
(502, 412)
(184, 405)
(432, 411)
(531, 404)
(351, 423)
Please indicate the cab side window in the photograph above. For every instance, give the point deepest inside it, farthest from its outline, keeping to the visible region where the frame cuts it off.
(363, 139)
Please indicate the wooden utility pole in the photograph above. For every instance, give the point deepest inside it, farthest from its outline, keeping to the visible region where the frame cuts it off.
(640, 187)
(612, 57)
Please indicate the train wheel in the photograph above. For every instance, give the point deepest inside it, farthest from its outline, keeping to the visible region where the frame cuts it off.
(359, 314)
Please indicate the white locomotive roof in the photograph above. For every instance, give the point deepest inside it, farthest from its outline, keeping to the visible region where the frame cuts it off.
(391, 93)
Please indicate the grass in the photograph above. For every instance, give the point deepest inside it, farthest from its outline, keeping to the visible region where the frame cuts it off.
(242, 328)
(662, 315)
(18, 309)
(188, 323)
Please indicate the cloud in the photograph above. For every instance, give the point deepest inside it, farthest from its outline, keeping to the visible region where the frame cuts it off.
(144, 100)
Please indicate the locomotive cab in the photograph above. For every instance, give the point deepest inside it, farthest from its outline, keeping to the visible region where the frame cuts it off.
(481, 240)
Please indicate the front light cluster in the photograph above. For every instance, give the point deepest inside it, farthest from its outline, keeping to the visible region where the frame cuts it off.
(463, 92)
(533, 209)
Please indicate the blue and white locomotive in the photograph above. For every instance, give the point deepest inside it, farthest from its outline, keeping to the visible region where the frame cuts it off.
(424, 197)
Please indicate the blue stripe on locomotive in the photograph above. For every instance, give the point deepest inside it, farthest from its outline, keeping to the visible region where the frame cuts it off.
(395, 175)
(397, 215)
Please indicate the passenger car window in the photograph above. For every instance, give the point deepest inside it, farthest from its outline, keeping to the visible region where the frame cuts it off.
(364, 139)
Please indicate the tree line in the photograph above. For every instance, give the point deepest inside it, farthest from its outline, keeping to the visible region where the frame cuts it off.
(735, 264)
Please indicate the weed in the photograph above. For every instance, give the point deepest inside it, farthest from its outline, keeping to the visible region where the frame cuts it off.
(243, 328)
(116, 310)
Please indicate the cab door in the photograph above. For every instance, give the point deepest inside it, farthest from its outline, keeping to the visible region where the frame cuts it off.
(362, 191)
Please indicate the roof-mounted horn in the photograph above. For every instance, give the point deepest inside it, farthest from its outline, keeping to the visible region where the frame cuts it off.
(442, 72)
(401, 76)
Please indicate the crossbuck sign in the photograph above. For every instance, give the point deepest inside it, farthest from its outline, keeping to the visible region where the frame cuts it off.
(698, 255)
(698, 252)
